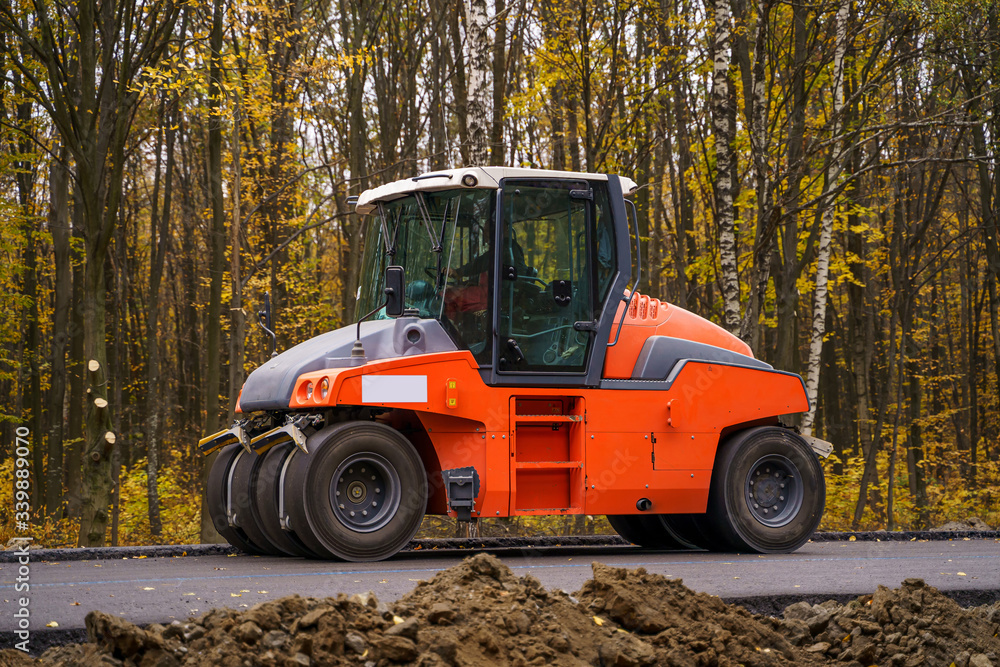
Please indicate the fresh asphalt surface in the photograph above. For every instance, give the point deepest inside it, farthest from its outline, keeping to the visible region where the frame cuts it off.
(162, 589)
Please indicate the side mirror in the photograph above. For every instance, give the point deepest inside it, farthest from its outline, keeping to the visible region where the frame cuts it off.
(395, 290)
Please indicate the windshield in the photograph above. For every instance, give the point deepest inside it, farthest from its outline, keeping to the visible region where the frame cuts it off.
(450, 284)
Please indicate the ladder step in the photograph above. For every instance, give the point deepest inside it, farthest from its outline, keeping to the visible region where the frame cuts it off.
(546, 419)
(549, 465)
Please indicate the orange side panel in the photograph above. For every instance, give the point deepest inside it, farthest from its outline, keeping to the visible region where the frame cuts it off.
(651, 317)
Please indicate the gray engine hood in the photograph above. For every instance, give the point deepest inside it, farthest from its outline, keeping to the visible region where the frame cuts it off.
(270, 386)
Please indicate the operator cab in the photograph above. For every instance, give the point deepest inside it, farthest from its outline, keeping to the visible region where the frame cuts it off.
(516, 264)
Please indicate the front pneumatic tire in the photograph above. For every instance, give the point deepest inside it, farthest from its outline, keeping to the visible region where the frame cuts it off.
(768, 491)
(359, 495)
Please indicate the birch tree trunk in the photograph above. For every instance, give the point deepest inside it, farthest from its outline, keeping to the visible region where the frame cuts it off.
(826, 227)
(478, 47)
(725, 158)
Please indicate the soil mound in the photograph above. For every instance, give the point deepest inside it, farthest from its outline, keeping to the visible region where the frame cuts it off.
(971, 523)
(479, 613)
(911, 625)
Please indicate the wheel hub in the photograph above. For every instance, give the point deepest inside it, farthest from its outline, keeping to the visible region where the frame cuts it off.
(773, 490)
(357, 492)
(365, 492)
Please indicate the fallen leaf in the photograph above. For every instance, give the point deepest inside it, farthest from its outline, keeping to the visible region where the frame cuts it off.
(961, 574)
(397, 620)
(852, 539)
(236, 595)
(599, 621)
(75, 604)
(262, 592)
(149, 588)
(188, 593)
(244, 591)
(52, 624)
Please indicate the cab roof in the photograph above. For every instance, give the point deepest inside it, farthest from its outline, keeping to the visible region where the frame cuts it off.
(485, 178)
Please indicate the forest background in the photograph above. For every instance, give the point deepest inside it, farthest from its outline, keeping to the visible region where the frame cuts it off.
(820, 178)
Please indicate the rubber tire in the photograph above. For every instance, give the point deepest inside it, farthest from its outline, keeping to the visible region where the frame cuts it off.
(265, 501)
(215, 499)
(651, 531)
(695, 529)
(729, 513)
(245, 472)
(307, 485)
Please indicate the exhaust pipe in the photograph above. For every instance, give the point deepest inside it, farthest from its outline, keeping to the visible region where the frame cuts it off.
(644, 504)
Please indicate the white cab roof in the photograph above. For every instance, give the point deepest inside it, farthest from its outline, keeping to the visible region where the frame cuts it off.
(486, 177)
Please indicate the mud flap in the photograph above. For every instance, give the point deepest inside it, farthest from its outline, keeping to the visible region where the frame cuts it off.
(821, 447)
(462, 487)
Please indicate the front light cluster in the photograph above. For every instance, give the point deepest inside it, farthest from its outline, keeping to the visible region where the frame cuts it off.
(313, 391)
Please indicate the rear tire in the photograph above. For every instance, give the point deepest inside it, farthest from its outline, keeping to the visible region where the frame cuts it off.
(266, 503)
(359, 495)
(242, 489)
(652, 531)
(217, 500)
(768, 491)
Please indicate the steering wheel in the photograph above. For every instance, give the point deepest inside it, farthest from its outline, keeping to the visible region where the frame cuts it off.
(534, 279)
(432, 273)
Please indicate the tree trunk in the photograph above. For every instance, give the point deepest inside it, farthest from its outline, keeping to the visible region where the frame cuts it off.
(154, 392)
(63, 292)
(499, 84)
(767, 220)
(77, 369)
(238, 318)
(725, 158)
(217, 252)
(478, 107)
(833, 170)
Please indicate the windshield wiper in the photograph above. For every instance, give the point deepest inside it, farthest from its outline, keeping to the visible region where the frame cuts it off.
(426, 217)
(390, 242)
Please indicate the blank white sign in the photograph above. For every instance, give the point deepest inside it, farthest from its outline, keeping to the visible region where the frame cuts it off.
(393, 388)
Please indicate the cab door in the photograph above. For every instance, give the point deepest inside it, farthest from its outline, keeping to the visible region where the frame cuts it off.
(545, 282)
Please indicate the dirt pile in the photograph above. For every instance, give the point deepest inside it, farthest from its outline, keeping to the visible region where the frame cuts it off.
(480, 613)
(971, 523)
(912, 625)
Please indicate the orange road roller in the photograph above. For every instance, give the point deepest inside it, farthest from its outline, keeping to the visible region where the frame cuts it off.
(500, 366)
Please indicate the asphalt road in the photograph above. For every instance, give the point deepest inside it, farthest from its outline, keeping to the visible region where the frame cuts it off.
(147, 590)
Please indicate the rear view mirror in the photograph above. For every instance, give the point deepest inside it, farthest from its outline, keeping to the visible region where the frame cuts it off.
(395, 290)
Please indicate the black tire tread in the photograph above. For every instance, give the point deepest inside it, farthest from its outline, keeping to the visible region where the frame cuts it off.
(215, 500)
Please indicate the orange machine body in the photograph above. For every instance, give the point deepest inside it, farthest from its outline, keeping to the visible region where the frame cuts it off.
(551, 450)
